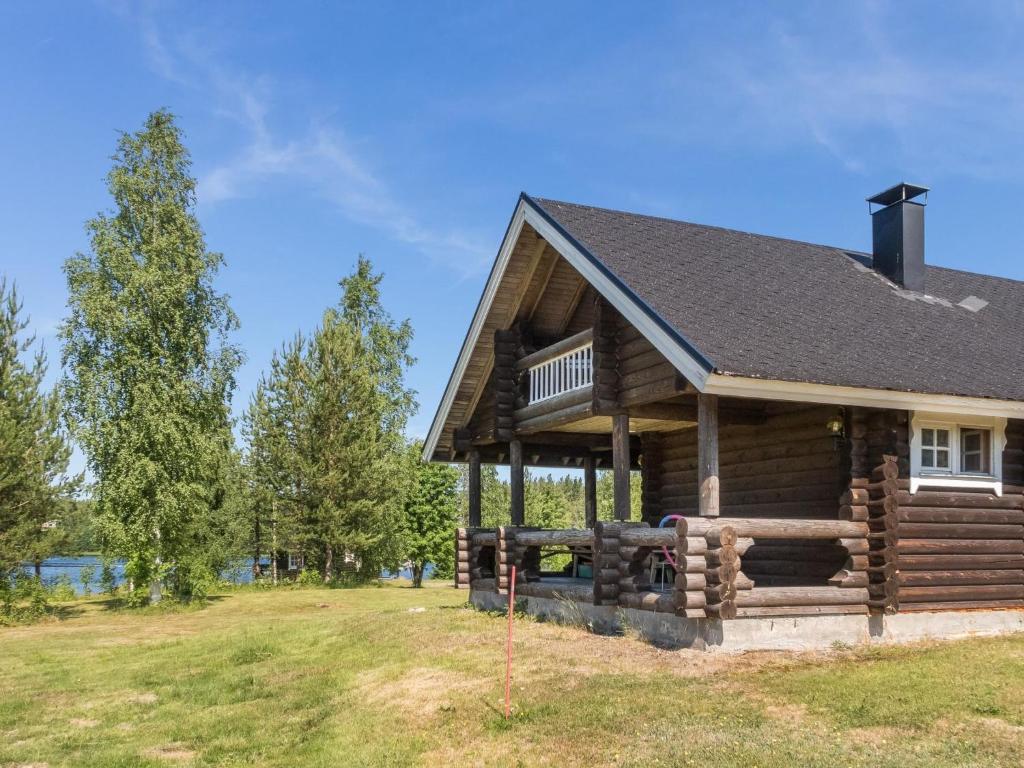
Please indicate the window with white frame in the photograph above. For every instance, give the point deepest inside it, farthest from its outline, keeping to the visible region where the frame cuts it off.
(956, 452)
(294, 561)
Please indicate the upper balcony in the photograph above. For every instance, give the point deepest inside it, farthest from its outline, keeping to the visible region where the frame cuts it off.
(554, 370)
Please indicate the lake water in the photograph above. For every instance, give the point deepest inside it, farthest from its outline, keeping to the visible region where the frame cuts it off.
(56, 567)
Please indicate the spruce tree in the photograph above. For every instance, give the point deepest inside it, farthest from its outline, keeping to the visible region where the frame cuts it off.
(34, 451)
(149, 367)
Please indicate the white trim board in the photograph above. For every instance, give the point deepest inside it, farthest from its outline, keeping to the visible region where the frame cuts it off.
(796, 391)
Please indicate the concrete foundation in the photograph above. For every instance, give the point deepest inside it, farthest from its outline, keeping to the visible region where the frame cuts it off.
(796, 633)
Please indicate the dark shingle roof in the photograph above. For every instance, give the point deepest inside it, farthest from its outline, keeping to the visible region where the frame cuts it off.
(780, 309)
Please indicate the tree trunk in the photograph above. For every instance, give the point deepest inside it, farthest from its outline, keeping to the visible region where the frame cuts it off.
(256, 570)
(417, 575)
(155, 588)
(273, 543)
(328, 564)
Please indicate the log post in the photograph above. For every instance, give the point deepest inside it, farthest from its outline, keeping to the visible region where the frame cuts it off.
(707, 455)
(606, 563)
(463, 549)
(516, 487)
(605, 391)
(474, 488)
(883, 541)
(721, 597)
(589, 491)
(620, 461)
(650, 473)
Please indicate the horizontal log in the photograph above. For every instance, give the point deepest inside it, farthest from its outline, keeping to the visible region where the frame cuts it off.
(548, 538)
(483, 585)
(689, 599)
(822, 569)
(552, 351)
(959, 546)
(721, 536)
(963, 515)
(952, 593)
(959, 562)
(553, 404)
(965, 499)
(640, 536)
(556, 419)
(775, 528)
(778, 552)
(691, 563)
(661, 602)
(778, 596)
(954, 578)
(634, 553)
(857, 514)
(691, 581)
(722, 556)
(960, 531)
(724, 610)
(847, 579)
(961, 605)
(800, 610)
(485, 539)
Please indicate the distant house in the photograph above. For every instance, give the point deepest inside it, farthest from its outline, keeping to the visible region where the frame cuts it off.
(829, 432)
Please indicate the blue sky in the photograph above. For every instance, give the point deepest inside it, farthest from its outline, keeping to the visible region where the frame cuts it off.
(406, 131)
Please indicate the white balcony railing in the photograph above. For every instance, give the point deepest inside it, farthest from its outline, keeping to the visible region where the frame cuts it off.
(569, 371)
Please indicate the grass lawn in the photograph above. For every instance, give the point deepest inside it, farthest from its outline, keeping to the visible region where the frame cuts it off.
(394, 676)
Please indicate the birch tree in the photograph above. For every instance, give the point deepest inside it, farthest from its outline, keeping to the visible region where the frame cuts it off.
(149, 365)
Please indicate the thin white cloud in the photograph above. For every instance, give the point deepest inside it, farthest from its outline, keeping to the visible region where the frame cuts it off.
(322, 158)
(868, 96)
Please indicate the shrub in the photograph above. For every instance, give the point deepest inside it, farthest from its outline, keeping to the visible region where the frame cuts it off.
(309, 577)
(62, 590)
(86, 575)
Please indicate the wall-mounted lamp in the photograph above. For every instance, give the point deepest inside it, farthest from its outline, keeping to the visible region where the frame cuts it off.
(836, 427)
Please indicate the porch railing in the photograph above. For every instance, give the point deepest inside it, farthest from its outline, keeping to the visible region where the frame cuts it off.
(567, 372)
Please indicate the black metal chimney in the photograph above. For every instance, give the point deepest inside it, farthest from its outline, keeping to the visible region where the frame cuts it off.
(898, 235)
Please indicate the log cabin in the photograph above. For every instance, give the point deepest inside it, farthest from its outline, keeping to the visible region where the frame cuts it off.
(831, 442)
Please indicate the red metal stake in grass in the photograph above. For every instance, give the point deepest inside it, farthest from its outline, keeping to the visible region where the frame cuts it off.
(508, 645)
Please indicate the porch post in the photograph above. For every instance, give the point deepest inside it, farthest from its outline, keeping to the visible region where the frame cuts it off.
(620, 462)
(474, 488)
(707, 454)
(589, 491)
(515, 466)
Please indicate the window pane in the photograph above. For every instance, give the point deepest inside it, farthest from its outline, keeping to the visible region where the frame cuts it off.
(927, 457)
(927, 437)
(942, 436)
(972, 442)
(942, 459)
(972, 462)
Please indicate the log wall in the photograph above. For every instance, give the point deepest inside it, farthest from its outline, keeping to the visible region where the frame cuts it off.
(644, 374)
(786, 467)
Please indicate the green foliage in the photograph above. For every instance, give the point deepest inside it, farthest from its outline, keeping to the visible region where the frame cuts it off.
(85, 575)
(23, 599)
(431, 516)
(62, 590)
(549, 502)
(108, 579)
(326, 450)
(149, 367)
(309, 577)
(34, 451)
